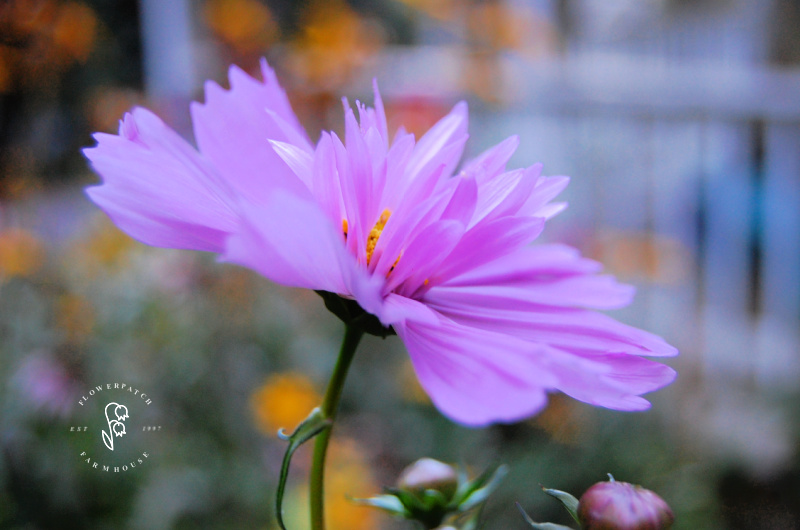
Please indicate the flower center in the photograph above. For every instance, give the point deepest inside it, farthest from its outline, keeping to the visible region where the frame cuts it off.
(375, 233)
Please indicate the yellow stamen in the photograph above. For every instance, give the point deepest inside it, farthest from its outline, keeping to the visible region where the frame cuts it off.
(344, 227)
(394, 265)
(375, 233)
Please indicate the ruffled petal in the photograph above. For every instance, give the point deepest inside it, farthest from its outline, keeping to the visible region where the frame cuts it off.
(430, 150)
(502, 296)
(574, 330)
(463, 201)
(487, 242)
(506, 194)
(614, 381)
(547, 188)
(325, 181)
(542, 262)
(380, 113)
(397, 309)
(232, 129)
(492, 161)
(423, 256)
(356, 180)
(291, 242)
(548, 275)
(158, 189)
(477, 377)
(596, 291)
(300, 161)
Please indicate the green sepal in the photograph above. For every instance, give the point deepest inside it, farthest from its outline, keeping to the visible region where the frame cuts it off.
(430, 508)
(477, 491)
(354, 315)
(314, 424)
(569, 501)
(540, 526)
(388, 503)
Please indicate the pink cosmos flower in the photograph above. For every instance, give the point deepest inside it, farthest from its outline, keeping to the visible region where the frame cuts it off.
(492, 323)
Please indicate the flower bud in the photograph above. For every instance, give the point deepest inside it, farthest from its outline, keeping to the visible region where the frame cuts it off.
(622, 506)
(438, 495)
(429, 474)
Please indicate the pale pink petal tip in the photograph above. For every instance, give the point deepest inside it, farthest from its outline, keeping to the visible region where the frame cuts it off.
(158, 189)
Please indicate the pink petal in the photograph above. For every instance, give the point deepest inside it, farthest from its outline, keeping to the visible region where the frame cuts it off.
(575, 330)
(502, 196)
(452, 128)
(358, 226)
(596, 291)
(544, 262)
(423, 255)
(428, 178)
(291, 242)
(548, 275)
(549, 211)
(489, 241)
(613, 381)
(396, 309)
(232, 129)
(380, 113)
(158, 189)
(493, 160)
(396, 161)
(357, 189)
(402, 227)
(463, 201)
(477, 377)
(547, 188)
(299, 160)
(325, 181)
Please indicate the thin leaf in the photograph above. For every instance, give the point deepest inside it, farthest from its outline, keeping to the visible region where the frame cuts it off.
(480, 495)
(569, 502)
(412, 503)
(314, 424)
(387, 503)
(540, 526)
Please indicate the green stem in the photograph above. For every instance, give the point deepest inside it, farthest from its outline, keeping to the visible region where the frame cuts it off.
(330, 405)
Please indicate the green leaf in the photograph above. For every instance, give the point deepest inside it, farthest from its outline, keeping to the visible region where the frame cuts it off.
(541, 526)
(569, 502)
(314, 424)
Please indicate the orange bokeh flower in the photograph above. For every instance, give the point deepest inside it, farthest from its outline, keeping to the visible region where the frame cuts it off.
(21, 253)
(283, 401)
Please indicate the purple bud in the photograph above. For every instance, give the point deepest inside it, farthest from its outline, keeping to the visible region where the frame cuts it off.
(622, 506)
(429, 474)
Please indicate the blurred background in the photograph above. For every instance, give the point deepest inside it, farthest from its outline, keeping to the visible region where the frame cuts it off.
(678, 121)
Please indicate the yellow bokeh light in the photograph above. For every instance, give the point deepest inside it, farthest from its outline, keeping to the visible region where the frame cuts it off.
(247, 25)
(21, 253)
(283, 401)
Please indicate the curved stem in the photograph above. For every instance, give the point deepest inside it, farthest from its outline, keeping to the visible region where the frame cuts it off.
(330, 405)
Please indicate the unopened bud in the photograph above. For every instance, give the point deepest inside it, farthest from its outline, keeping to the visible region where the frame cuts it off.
(623, 506)
(429, 474)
